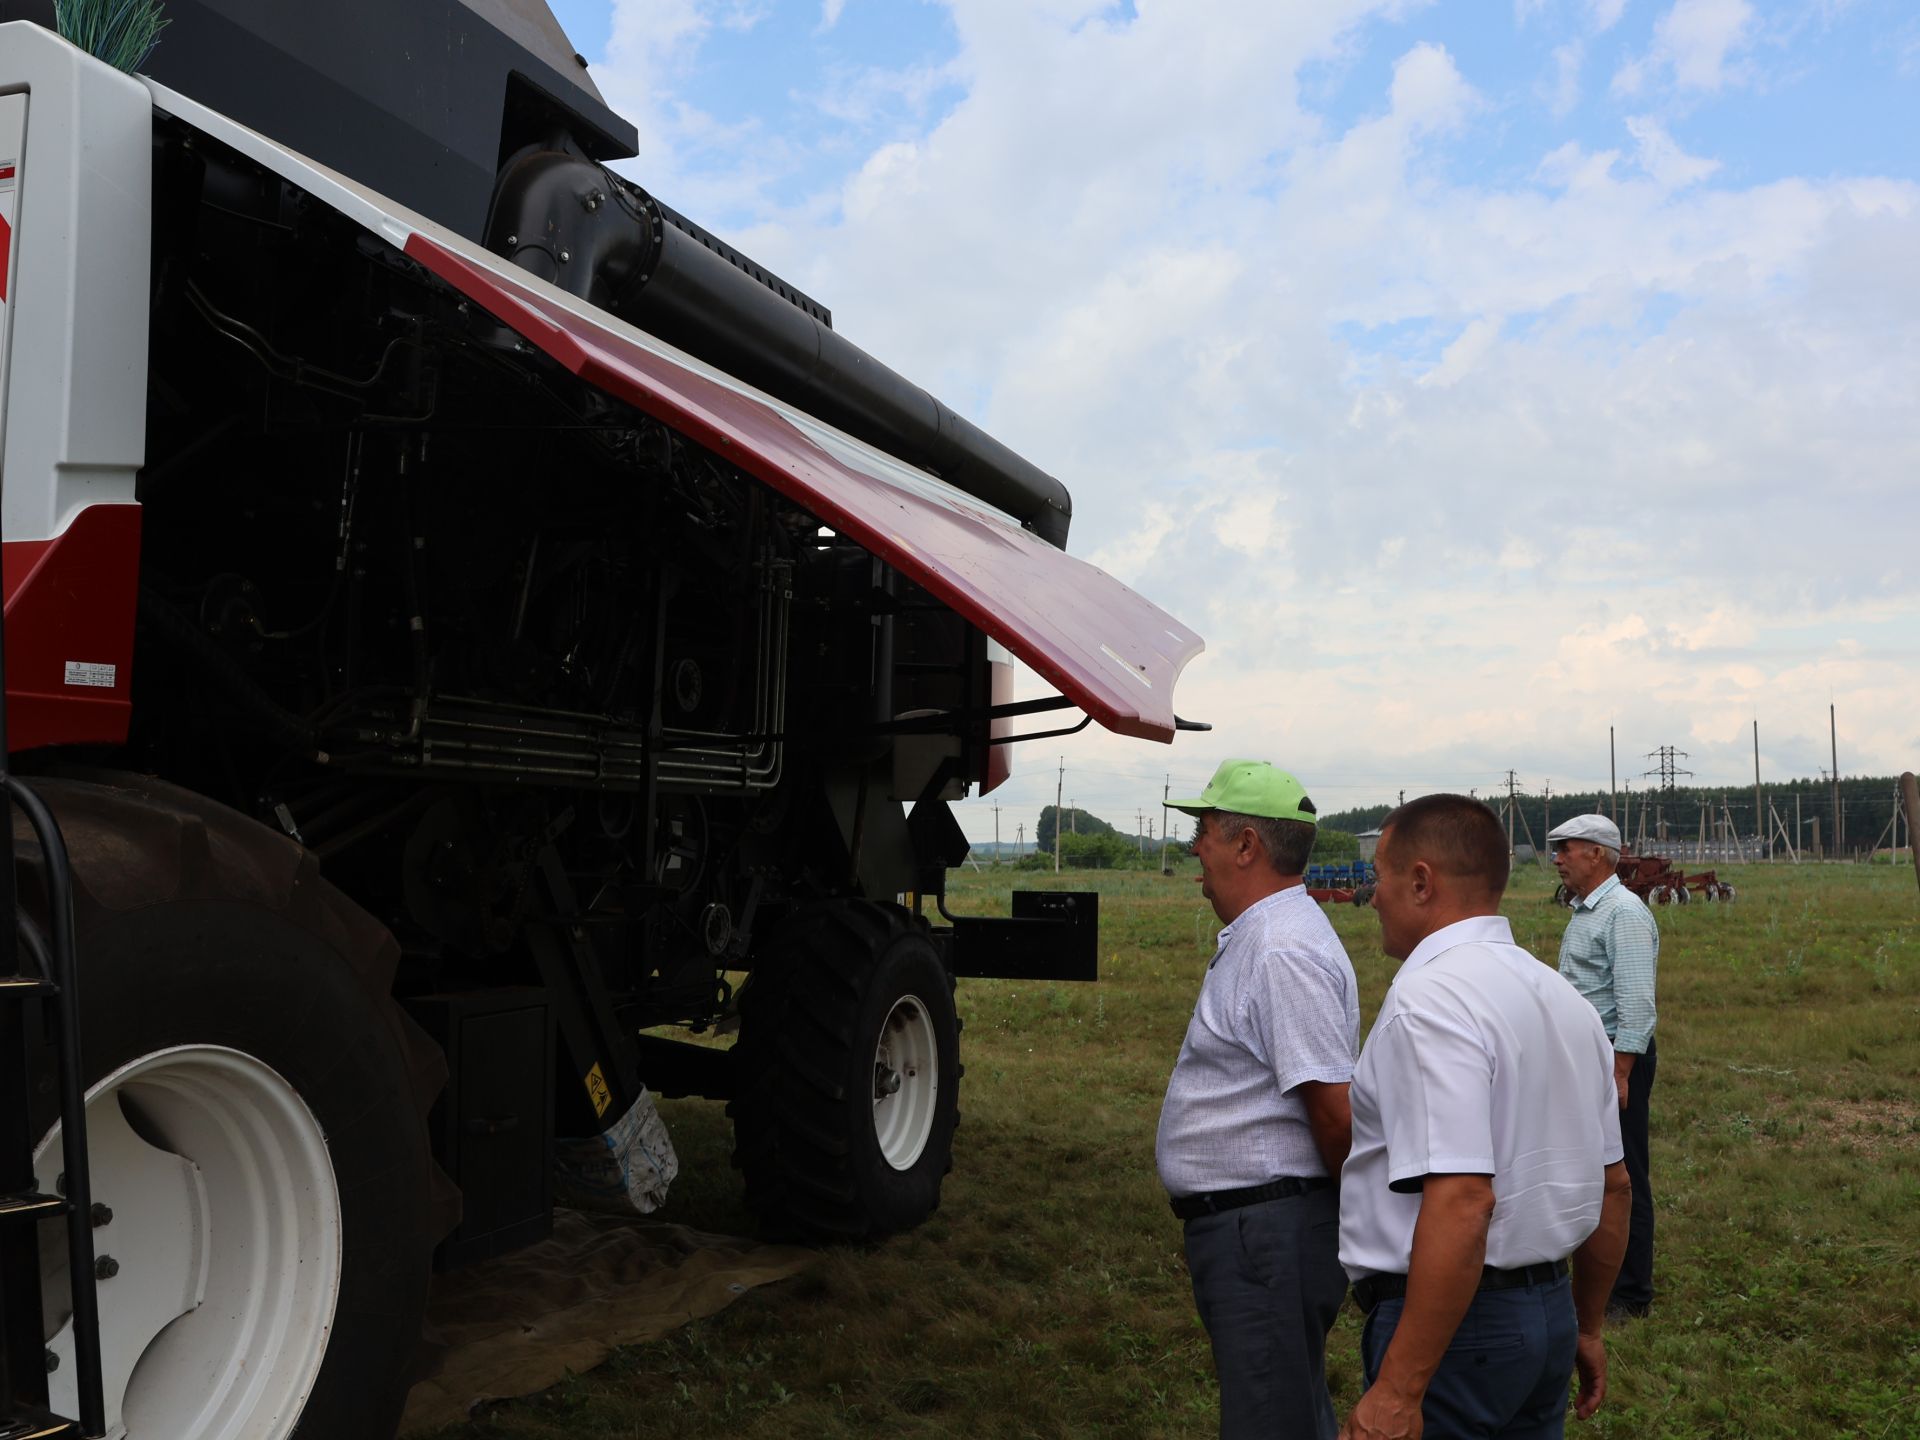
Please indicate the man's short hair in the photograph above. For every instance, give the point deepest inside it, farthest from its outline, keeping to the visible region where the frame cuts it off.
(1288, 843)
(1456, 834)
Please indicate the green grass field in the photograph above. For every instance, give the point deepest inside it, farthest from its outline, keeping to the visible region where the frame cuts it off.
(1049, 1297)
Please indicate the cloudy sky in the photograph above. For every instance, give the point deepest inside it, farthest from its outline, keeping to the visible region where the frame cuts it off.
(1473, 375)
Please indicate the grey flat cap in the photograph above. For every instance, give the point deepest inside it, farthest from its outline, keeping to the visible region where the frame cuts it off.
(1597, 828)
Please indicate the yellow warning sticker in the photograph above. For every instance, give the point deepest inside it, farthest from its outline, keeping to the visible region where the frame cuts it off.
(597, 1090)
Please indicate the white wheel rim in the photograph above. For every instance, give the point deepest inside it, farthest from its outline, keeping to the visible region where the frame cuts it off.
(226, 1234)
(906, 1083)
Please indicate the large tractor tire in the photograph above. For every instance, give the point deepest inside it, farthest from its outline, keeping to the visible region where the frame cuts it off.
(848, 1078)
(266, 1201)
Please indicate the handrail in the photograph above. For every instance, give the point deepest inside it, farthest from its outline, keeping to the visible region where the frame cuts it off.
(78, 1189)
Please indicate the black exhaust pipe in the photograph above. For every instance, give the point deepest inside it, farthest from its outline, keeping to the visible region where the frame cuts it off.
(569, 221)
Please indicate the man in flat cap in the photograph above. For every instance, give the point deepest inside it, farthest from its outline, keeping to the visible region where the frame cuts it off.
(1609, 953)
(1255, 1125)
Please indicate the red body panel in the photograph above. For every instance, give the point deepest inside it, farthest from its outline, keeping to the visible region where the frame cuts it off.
(1111, 651)
(69, 640)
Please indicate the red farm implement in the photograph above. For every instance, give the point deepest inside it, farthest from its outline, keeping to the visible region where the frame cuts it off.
(1656, 880)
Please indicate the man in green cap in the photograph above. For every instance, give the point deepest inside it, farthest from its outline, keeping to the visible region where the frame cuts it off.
(1256, 1125)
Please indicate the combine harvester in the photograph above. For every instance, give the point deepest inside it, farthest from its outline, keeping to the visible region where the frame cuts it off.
(460, 614)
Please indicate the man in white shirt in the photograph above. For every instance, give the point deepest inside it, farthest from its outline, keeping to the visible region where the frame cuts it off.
(1486, 1151)
(1255, 1123)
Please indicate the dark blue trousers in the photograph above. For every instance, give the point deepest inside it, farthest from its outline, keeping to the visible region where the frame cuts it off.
(1506, 1373)
(1268, 1284)
(1634, 1287)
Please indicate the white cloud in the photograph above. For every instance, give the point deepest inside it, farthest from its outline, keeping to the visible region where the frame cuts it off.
(1569, 167)
(1670, 166)
(830, 13)
(1696, 45)
(1603, 15)
(1433, 463)
(1458, 360)
(1564, 93)
(1428, 92)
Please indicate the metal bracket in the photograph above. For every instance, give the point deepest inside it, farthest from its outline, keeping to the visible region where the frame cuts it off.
(1053, 935)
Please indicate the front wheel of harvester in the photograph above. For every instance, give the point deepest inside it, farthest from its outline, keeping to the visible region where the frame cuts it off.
(848, 1076)
(265, 1200)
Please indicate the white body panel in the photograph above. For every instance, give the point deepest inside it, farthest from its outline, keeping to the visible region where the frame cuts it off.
(75, 376)
(13, 137)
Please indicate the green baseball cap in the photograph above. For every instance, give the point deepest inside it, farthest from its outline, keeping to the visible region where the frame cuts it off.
(1252, 787)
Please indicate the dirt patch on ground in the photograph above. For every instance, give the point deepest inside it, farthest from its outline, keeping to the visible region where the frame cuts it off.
(1878, 1127)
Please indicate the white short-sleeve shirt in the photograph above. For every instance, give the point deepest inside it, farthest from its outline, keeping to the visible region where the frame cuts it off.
(1482, 1061)
(1279, 1007)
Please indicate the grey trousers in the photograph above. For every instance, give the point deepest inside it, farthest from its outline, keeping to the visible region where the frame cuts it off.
(1268, 1284)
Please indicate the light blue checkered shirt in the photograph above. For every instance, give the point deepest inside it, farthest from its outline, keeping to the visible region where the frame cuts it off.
(1609, 954)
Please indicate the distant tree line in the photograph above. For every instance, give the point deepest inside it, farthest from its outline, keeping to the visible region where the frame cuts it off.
(1867, 804)
(1090, 843)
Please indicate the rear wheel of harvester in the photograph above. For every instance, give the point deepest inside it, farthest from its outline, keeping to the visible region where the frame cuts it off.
(848, 1075)
(265, 1200)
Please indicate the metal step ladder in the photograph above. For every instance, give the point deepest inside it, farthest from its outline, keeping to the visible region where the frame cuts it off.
(37, 984)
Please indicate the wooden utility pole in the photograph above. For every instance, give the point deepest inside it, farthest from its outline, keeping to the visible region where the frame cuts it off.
(1166, 827)
(1510, 790)
(1780, 825)
(1910, 801)
(1833, 739)
(1613, 783)
(1759, 823)
(996, 834)
(1058, 781)
(1532, 844)
(1626, 829)
(1546, 801)
(1799, 835)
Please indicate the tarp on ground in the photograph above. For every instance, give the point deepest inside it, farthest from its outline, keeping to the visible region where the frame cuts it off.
(519, 1324)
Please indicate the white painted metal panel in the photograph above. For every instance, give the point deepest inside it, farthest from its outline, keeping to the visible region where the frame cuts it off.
(78, 297)
(13, 137)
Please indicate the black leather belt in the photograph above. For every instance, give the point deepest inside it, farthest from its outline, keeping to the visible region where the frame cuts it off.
(1192, 1207)
(1371, 1291)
